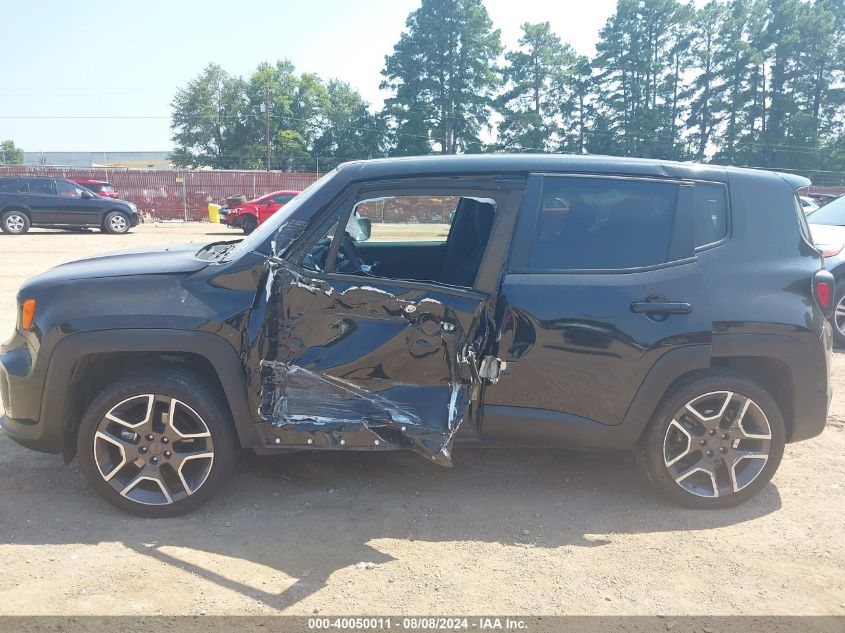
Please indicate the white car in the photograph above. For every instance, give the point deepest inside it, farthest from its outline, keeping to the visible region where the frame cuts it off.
(808, 204)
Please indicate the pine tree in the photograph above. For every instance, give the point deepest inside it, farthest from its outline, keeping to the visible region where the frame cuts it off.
(442, 74)
(539, 79)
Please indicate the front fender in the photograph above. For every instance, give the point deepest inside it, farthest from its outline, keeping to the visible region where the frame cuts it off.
(220, 354)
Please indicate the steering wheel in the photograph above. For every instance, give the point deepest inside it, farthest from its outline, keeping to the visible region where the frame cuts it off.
(348, 257)
(348, 260)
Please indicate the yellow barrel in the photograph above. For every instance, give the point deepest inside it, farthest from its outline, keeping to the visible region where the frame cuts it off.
(214, 213)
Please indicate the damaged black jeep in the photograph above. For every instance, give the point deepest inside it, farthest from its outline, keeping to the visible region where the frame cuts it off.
(429, 303)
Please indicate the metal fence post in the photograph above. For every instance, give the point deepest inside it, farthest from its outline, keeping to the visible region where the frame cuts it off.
(184, 197)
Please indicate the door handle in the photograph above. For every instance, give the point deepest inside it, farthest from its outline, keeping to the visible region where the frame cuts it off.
(661, 307)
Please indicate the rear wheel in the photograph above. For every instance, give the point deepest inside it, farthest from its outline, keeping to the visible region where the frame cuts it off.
(115, 222)
(249, 224)
(715, 442)
(156, 443)
(838, 319)
(14, 222)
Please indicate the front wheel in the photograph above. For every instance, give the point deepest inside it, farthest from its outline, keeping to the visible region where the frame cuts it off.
(115, 222)
(249, 224)
(715, 442)
(156, 443)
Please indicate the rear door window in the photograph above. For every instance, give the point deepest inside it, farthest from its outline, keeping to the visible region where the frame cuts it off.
(710, 213)
(13, 185)
(595, 223)
(42, 186)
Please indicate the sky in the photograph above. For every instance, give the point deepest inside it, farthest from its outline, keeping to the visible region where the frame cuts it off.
(113, 66)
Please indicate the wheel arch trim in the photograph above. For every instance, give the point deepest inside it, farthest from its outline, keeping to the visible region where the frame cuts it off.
(809, 394)
(220, 355)
(562, 429)
(17, 207)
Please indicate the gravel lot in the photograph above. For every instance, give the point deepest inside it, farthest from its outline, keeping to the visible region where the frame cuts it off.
(523, 532)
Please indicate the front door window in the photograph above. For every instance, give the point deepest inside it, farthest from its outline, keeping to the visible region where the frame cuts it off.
(375, 334)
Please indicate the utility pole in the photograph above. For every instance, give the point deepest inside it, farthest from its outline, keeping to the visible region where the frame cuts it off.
(267, 123)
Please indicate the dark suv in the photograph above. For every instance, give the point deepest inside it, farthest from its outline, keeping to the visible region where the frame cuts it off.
(582, 302)
(57, 203)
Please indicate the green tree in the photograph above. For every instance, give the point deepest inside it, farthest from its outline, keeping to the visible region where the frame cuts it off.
(641, 59)
(579, 109)
(225, 122)
(539, 77)
(10, 154)
(817, 94)
(210, 122)
(278, 88)
(739, 60)
(705, 93)
(349, 131)
(443, 75)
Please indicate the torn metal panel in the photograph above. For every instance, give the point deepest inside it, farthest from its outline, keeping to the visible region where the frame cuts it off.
(324, 411)
(349, 365)
(286, 235)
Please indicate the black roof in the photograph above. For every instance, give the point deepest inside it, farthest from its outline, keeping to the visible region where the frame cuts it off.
(471, 164)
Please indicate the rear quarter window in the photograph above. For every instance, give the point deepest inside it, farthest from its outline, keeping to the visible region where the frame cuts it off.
(801, 217)
(710, 223)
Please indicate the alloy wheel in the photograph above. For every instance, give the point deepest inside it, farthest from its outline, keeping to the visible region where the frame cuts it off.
(839, 315)
(717, 444)
(153, 449)
(117, 223)
(15, 222)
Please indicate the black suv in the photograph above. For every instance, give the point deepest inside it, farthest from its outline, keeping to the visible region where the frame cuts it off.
(426, 303)
(57, 203)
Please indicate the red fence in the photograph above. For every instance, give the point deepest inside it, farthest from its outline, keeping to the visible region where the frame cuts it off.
(838, 191)
(177, 195)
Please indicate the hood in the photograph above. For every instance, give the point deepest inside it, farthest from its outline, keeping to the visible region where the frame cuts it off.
(164, 260)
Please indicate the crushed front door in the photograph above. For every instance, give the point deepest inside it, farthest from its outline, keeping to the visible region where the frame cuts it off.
(353, 362)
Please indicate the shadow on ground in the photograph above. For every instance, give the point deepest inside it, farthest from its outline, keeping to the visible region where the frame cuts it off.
(309, 515)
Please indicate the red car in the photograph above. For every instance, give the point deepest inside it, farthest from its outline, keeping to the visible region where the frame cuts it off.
(247, 215)
(100, 187)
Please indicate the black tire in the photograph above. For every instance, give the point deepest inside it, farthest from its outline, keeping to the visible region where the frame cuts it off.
(249, 224)
(116, 223)
(194, 397)
(650, 450)
(838, 330)
(15, 222)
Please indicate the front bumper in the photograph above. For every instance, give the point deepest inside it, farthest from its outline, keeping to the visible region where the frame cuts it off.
(22, 379)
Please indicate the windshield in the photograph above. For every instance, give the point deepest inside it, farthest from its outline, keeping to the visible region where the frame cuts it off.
(269, 228)
(831, 213)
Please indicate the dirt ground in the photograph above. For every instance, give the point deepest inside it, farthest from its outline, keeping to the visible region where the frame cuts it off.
(521, 532)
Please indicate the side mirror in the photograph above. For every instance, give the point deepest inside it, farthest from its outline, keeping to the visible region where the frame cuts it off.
(87, 194)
